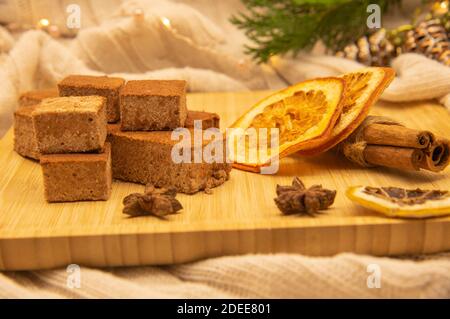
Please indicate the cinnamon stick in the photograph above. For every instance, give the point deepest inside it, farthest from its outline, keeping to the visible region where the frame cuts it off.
(395, 157)
(437, 156)
(381, 141)
(396, 135)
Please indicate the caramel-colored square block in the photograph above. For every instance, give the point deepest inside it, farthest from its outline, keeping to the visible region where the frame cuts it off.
(36, 96)
(207, 119)
(70, 124)
(77, 177)
(25, 142)
(83, 85)
(153, 105)
(146, 158)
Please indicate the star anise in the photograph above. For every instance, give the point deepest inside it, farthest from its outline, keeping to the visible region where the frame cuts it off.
(297, 199)
(158, 202)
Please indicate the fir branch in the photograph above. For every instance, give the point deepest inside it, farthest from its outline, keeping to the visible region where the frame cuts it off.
(281, 26)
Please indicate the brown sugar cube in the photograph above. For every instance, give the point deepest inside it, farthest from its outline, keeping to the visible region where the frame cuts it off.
(36, 96)
(24, 136)
(208, 120)
(70, 124)
(153, 105)
(82, 85)
(77, 177)
(146, 158)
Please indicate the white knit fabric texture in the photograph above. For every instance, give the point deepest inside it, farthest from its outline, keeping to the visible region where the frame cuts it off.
(202, 47)
(251, 276)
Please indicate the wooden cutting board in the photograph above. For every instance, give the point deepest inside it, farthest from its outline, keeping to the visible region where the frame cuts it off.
(240, 217)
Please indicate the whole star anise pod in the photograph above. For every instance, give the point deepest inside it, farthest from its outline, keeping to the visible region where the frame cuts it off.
(158, 202)
(297, 199)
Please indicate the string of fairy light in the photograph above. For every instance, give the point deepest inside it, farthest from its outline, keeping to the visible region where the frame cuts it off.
(45, 25)
(54, 30)
(243, 64)
(138, 14)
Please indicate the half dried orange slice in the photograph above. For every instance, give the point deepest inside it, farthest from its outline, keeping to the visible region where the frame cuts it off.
(400, 202)
(301, 113)
(363, 89)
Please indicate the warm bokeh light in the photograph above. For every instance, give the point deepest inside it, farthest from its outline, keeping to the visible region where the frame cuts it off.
(166, 22)
(44, 22)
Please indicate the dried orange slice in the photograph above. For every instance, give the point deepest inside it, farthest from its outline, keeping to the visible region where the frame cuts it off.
(363, 89)
(400, 202)
(302, 112)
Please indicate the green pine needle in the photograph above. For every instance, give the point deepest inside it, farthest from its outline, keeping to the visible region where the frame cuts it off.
(281, 26)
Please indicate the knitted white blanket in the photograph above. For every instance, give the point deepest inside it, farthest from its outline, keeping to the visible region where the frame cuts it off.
(252, 276)
(203, 48)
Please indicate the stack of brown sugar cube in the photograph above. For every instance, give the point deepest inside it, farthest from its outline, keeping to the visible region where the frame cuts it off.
(68, 134)
(142, 144)
(75, 158)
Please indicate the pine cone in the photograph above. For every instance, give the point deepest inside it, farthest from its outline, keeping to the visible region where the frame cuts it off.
(429, 38)
(375, 49)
